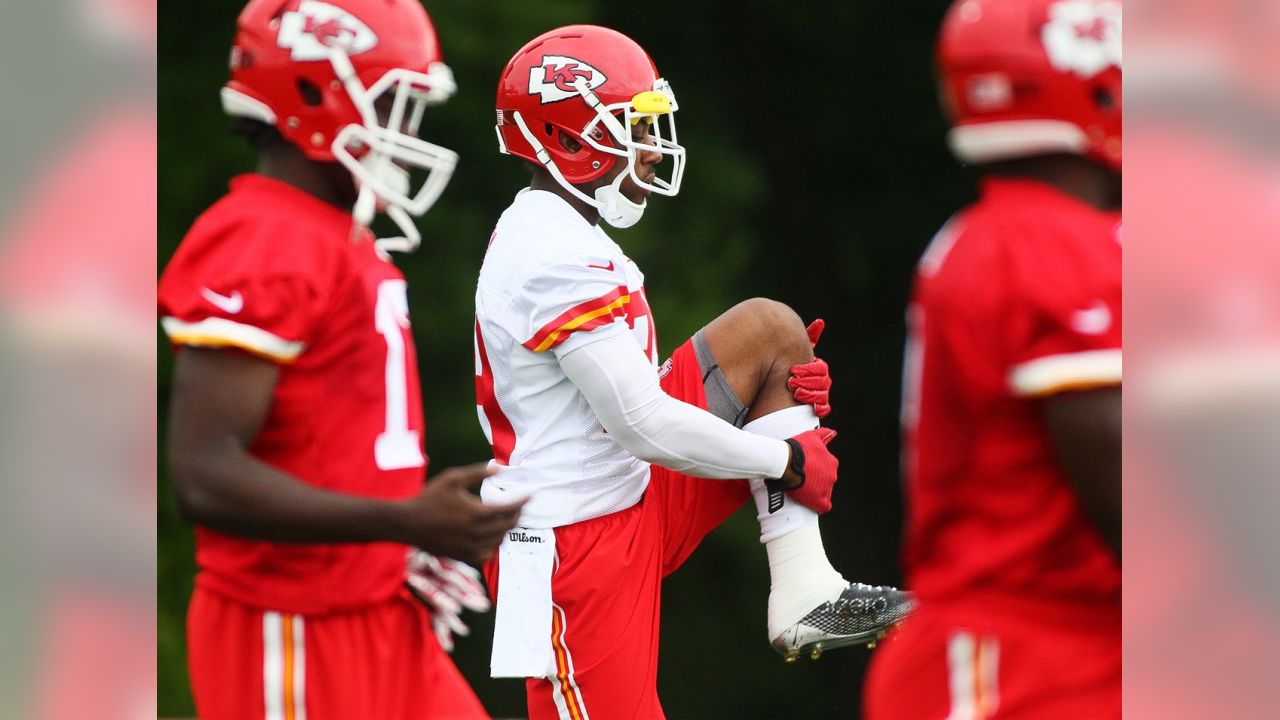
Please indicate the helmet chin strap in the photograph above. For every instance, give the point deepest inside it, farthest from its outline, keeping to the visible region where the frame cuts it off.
(368, 204)
(613, 206)
(366, 207)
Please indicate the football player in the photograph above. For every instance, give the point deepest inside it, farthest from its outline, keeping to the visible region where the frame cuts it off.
(296, 434)
(1011, 405)
(630, 464)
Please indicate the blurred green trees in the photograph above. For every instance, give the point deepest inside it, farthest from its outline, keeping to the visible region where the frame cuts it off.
(817, 172)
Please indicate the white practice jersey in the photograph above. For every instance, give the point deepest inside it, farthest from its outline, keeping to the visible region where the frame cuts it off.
(551, 283)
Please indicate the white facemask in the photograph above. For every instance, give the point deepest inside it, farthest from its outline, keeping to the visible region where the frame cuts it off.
(386, 149)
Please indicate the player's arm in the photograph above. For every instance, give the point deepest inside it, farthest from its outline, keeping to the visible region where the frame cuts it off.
(220, 401)
(1085, 428)
(575, 308)
(623, 389)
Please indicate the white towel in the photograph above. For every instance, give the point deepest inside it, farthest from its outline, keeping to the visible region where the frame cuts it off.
(522, 623)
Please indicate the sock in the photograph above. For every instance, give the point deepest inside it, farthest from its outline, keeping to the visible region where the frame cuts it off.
(801, 577)
(791, 516)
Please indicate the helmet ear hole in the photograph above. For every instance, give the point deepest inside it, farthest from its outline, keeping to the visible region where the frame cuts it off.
(311, 94)
(569, 143)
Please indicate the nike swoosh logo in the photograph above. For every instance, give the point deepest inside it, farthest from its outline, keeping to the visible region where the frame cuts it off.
(231, 304)
(608, 267)
(1094, 320)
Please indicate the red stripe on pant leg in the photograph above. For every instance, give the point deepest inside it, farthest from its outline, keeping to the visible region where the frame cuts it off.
(563, 672)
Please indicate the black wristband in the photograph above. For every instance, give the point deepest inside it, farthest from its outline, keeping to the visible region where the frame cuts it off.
(797, 460)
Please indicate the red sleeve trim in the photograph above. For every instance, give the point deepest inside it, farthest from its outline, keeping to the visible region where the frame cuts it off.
(586, 316)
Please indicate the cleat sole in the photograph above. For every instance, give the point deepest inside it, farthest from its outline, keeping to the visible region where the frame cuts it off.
(816, 649)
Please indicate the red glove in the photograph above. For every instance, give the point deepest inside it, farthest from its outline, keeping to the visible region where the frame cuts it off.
(815, 331)
(810, 382)
(818, 466)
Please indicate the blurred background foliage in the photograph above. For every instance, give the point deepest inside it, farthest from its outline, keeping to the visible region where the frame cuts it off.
(817, 173)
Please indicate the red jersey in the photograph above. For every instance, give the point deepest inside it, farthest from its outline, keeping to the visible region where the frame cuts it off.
(274, 271)
(1017, 298)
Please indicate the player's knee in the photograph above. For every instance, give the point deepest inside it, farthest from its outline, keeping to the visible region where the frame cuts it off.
(778, 327)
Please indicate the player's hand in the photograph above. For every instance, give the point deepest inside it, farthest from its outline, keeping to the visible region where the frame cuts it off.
(447, 587)
(810, 382)
(820, 470)
(447, 520)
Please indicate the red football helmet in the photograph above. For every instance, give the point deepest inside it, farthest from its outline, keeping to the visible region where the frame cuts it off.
(337, 79)
(1032, 77)
(593, 84)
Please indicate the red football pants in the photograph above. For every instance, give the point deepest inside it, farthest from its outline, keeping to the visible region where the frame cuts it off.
(606, 589)
(993, 659)
(378, 662)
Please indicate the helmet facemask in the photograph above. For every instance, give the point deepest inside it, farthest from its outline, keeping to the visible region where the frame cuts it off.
(383, 149)
(656, 107)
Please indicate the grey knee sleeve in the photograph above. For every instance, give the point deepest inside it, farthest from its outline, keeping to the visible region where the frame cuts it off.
(722, 401)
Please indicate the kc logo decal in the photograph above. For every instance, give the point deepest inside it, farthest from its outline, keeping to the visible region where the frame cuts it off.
(555, 79)
(1083, 36)
(316, 26)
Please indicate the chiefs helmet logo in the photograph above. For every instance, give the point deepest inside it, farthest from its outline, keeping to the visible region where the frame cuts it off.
(557, 77)
(1083, 36)
(315, 26)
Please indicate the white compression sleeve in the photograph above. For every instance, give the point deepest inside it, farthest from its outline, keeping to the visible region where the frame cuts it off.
(621, 385)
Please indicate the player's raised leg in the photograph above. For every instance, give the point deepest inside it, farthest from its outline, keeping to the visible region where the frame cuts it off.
(752, 348)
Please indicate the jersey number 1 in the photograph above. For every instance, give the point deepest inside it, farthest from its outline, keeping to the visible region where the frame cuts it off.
(397, 446)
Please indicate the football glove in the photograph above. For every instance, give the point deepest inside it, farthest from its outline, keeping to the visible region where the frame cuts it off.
(810, 382)
(447, 587)
(817, 466)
